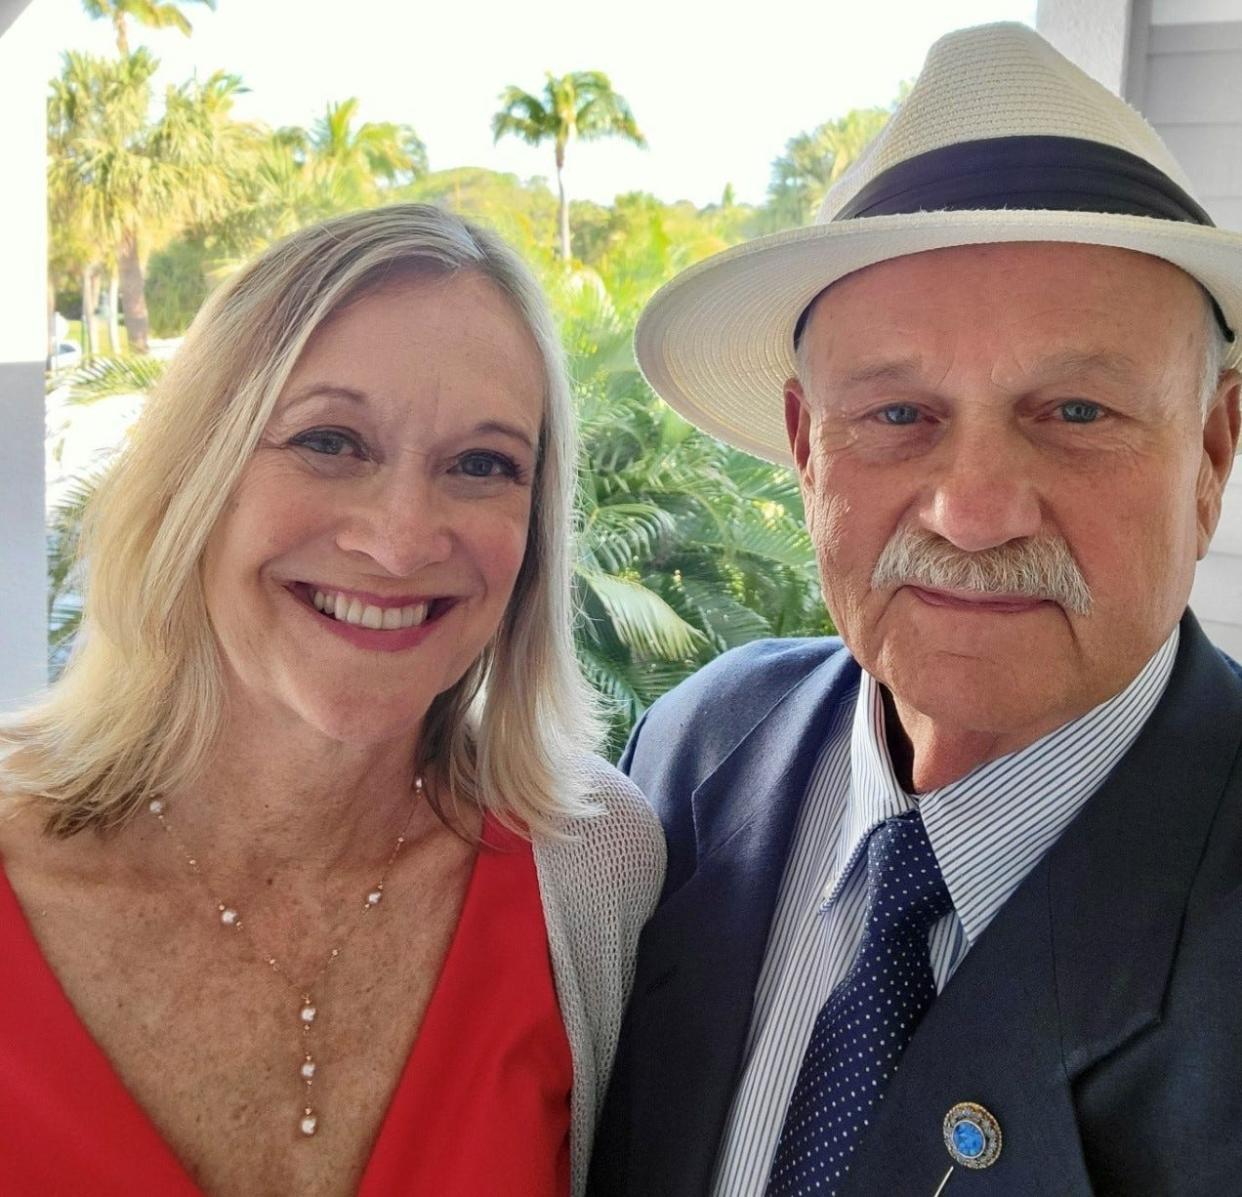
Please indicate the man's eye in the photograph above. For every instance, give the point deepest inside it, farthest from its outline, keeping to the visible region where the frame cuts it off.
(328, 441)
(486, 465)
(1080, 411)
(899, 413)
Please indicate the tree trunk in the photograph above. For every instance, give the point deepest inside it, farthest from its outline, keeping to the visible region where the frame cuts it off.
(114, 315)
(133, 293)
(90, 300)
(564, 209)
(52, 338)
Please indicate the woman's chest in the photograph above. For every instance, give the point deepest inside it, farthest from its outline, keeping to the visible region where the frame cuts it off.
(220, 1051)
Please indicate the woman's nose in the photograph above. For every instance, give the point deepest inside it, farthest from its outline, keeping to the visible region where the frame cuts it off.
(403, 524)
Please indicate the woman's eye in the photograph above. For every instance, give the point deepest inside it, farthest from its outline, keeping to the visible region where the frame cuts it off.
(899, 413)
(486, 465)
(1080, 411)
(328, 441)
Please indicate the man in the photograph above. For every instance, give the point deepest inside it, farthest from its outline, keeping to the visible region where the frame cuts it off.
(957, 907)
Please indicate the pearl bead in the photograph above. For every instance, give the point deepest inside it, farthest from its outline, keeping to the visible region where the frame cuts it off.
(373, 898)
(308, 1070)
(229, 917)
(308, 1013)
(308, 1125)
(155, 806)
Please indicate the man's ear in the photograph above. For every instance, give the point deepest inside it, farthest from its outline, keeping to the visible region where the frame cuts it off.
(1220, 444)
(798, 428)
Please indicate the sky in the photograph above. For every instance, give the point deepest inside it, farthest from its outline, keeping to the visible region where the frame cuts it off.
(716, 90)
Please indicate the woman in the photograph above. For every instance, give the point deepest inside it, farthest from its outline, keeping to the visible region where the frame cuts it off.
(308, 887)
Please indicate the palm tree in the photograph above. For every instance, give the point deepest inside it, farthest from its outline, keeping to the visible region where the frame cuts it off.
(97, 172)
(152, 13)
(579, 105)
(365, 157)
(813, 161)
(131, 183)
(299, 175)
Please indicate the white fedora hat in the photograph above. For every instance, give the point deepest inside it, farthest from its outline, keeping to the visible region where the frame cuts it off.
(1001, 139)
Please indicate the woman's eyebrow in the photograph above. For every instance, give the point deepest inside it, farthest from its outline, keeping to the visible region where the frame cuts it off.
(509, 430)
(323, 390)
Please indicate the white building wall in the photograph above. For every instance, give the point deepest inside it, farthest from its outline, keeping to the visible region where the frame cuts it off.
(23, 339)
(1179, 63)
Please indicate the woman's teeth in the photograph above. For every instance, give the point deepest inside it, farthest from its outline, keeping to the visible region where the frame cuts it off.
(362, 615)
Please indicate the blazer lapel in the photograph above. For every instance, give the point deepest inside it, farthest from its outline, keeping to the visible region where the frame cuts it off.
(702, 950)
(1075, 964)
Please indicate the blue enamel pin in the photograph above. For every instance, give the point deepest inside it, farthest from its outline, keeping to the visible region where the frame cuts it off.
(972, 1135)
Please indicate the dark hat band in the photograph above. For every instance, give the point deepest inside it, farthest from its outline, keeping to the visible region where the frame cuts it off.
(1060, 174)
(1052, 174)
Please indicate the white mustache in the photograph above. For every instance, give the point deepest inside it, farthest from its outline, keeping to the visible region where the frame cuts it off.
(1040, 568)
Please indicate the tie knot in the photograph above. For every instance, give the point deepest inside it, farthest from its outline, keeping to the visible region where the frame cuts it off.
(905, 887)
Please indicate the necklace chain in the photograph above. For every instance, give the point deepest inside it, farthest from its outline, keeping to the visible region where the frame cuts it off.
(308, 1008)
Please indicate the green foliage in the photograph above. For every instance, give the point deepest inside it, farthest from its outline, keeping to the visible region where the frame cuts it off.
(813, 161)
(524, 214)
(177, 284)
(687, 547)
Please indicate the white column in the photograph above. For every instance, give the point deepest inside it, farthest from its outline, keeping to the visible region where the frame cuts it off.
(1094, 34)
(25, 66)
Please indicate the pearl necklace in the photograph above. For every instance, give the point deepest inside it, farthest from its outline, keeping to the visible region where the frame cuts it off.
(308, 1009)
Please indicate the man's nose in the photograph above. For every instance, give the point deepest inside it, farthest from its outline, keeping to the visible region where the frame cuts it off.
(403, 523)
(982, 492)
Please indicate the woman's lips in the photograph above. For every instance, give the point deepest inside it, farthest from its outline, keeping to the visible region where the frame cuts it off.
(381, 639)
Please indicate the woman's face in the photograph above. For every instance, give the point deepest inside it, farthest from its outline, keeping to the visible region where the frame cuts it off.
(369, 550)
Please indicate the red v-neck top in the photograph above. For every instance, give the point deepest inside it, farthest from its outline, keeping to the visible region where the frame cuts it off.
(482, 1105)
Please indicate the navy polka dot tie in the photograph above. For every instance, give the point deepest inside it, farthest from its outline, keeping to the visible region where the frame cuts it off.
(868, 1019)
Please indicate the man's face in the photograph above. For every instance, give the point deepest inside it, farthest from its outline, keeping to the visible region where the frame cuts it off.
(1004, 395)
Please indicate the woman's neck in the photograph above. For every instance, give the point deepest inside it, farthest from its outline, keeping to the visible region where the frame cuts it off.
(276, 799)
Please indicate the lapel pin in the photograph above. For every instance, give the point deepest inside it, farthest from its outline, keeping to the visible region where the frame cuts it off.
(972, 1135)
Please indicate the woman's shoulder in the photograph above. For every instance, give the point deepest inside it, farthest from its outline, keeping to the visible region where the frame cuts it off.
(617, 841)
(620, 814)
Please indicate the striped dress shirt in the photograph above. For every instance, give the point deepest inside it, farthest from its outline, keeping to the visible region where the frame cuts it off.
(988, 830)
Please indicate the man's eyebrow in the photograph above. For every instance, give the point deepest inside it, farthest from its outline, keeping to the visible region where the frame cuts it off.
(901, 370)
(1112, 363)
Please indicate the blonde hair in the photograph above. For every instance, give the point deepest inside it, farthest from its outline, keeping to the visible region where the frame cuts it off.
(138, 707)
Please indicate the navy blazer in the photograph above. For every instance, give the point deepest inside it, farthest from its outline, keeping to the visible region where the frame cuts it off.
(1099, 1016)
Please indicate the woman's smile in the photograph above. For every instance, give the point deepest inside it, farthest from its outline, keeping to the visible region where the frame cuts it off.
(372, 621)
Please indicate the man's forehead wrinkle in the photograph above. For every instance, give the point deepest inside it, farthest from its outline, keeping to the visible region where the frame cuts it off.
(1115, 364)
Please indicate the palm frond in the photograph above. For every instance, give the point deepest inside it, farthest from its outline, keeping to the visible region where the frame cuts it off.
(106, 377)
(642, 620)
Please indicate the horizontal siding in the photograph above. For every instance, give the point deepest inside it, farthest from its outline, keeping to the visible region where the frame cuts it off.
(1190, 92)
(1193, 88)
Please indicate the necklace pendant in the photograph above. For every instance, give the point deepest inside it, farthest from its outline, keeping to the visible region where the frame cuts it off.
(309, 1123)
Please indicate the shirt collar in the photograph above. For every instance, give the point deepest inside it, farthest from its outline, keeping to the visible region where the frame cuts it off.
(1005, 813)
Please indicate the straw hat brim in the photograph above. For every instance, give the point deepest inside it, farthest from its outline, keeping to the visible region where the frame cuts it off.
(716, 343)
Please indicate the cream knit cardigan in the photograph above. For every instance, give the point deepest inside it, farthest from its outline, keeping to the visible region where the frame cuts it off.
(598, 887)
